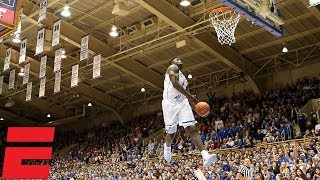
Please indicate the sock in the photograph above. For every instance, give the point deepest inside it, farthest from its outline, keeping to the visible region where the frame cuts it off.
(204, 153)
(165, 145)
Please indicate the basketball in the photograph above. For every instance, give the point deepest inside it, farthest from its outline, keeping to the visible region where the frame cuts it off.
(202, 109)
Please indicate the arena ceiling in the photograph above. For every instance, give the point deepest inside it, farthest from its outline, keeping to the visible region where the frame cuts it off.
(140, 59)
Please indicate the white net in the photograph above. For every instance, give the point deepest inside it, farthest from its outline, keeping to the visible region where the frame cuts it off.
(225, 21)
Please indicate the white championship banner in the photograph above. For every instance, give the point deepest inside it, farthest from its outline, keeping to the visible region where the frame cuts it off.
(29, 91)
(1, 84)
(40, 41)
(96, 72)
(56, 33)
(84, 48)
(57, 60)
(23, 51)
(26, 73)
(6, 65)
(12, 78)
(43, 65)
(57, 82)
(74, 76)
(42, 89)
(43, 10)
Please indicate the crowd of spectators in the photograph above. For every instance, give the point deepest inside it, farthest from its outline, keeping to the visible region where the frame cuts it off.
(242, 122)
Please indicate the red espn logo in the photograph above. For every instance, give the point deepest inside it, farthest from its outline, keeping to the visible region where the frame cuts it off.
(12, 166)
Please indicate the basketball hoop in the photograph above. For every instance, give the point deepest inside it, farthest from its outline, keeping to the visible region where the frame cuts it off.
(225, 20)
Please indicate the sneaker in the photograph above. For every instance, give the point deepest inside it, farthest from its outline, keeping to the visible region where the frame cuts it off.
(212, 158)
(167, 152)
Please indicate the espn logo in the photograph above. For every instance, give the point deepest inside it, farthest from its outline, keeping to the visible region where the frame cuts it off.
(12, 165)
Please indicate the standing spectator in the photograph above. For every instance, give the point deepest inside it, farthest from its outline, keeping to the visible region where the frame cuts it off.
(302, 119)
(313, 115)
(317, 127)
(211, 95)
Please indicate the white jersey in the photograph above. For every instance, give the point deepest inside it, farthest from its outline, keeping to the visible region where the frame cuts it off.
(170, 92)
(175, 106)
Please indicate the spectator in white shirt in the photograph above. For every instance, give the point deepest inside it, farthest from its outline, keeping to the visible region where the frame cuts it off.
(317, 128)
(151, 146)
(230, 143)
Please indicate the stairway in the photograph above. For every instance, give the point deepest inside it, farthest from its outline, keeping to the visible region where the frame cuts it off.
(153, 137)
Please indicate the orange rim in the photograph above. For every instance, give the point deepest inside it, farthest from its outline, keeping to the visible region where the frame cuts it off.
(221, 9)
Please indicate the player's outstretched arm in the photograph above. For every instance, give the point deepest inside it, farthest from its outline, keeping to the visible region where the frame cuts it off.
(192, 104)
(173, 71)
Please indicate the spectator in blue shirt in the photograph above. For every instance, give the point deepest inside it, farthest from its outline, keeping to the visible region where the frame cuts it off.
(202, 136)
(214, 136)
(233, 130)
(223, 133)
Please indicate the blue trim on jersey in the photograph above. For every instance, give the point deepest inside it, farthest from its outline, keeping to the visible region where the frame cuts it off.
(187, 122)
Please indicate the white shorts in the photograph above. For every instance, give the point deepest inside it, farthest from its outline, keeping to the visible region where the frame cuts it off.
(176, 112)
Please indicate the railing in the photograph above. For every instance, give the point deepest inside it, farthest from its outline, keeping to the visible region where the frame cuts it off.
(288, 129)
(312, 103)
(240, 149)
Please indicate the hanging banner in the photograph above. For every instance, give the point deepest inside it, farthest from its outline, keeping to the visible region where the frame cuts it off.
(74, 76)
(43, 65)
(84, 48)
(57, 60)
(57, 82)
(26, 74)
(29, 91)
(12, 78)
(56, 33)
(23, 51)
(40, 41)
(43, 10)
(7, 59)
(42, 88)
(1, 84)
(96, 66)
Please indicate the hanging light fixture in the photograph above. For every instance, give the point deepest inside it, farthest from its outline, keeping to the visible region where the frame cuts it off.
(185, 3)
(143, 90)
(190, 76)
(63, 54)
(1, 119)
(21, 73)
(66, 12)
(89, 105)
(16, 38)
(114, 32)
(48, 116)
(285, 49)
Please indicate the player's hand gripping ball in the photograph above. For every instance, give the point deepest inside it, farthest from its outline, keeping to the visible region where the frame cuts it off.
(202, 109)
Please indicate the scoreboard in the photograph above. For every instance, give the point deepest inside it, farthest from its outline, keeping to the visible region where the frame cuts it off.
(9, 15)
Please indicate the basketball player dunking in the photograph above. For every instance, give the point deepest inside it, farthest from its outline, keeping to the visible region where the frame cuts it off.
(176, 107)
